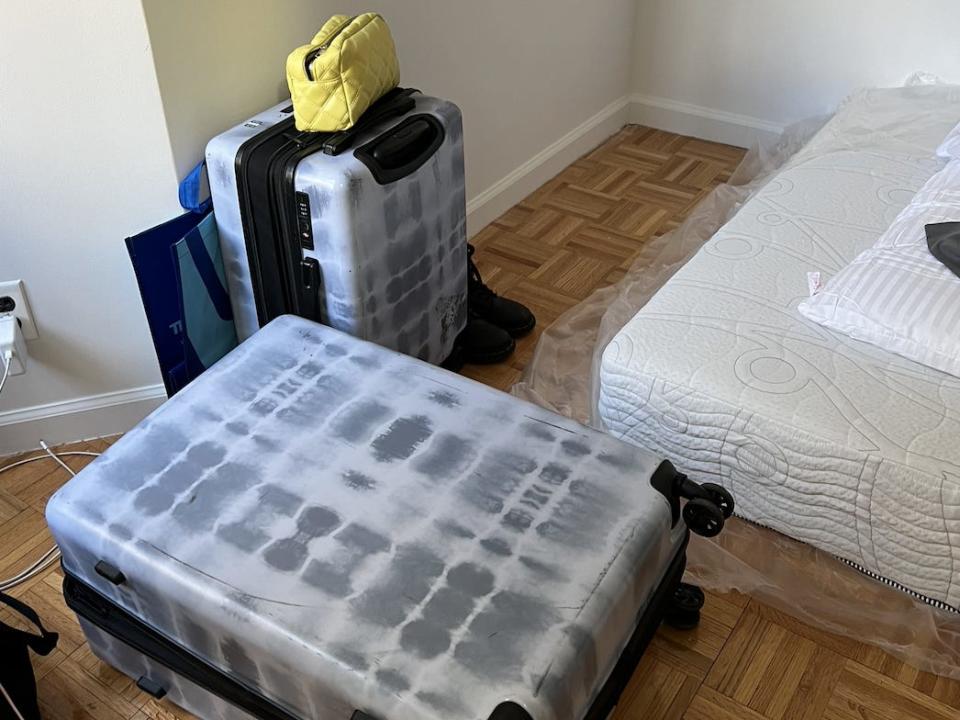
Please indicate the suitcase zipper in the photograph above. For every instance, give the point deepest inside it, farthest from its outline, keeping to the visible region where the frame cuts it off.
(322, 48)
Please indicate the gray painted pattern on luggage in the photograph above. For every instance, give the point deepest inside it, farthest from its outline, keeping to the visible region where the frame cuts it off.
(392, 257)
(374, 547)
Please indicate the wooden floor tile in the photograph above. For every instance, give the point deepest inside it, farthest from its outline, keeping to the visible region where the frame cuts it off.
(769, 669)
(68, 692)
(591, 204)
(162, 710)
(609, 179)
(506, 250)
(726, 155)
(864, 693)
(570, 274)
(604, 243)
(10, 505)
(708, 704)
(695, 651)
(657, 691)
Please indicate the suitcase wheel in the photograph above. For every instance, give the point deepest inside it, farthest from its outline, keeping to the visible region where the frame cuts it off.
(683, 612)
(682, 619)
(688, 597)
(719, 496)
(703, 517)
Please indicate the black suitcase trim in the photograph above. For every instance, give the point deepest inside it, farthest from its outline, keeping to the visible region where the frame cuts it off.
(647, 626)
(107, 616)
(282, 279)
(258, 219)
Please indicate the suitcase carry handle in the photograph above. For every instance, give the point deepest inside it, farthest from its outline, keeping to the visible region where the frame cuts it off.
(398, 101)
(401, 150)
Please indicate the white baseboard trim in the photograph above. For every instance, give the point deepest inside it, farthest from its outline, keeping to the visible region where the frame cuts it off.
(80, 419)
(490, 204)
(701, 122)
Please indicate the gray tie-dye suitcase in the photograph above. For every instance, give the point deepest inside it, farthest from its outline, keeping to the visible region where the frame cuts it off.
(364, 230)
(319, 527)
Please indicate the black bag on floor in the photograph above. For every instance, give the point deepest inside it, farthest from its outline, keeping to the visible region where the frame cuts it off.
(18, 695)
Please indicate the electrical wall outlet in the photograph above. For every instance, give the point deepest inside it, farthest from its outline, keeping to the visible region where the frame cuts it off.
(12, 342)
(13, 299)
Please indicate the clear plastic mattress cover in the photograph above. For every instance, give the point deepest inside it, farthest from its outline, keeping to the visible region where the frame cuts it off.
(341, 527)
(784, 573)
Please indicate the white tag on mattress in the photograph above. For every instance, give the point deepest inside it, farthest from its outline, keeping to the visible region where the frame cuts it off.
(813, 283)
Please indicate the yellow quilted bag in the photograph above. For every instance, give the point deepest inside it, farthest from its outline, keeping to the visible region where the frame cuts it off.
(349, 64)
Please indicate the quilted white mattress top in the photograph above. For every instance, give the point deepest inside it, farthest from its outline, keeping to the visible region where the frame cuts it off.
(827, 439)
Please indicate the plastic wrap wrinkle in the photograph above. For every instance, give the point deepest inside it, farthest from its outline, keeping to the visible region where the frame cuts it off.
(820, 590)
(787, 575)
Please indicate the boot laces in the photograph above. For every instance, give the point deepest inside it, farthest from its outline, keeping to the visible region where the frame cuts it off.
(477, 288)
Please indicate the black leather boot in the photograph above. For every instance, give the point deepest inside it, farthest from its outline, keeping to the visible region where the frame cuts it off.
(485, 304)
(483, 343)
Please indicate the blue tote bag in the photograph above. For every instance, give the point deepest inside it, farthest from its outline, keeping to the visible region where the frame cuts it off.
(180, 273)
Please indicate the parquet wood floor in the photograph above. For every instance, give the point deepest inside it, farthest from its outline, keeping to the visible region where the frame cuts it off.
(579, 231)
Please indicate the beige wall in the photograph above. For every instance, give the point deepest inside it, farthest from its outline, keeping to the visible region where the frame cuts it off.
(220, 61)
(524, 73)
(779, 61)
(84, 162)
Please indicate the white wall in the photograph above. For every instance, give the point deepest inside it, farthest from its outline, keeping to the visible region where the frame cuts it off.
(772, 62)
(84, 162)
(525, 74)
(104, 104)
(220, 61)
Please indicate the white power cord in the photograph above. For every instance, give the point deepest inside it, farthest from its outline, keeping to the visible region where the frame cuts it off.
(52, 555)
(50, 453)
(16, 710)
(13, 353)
(6, 371)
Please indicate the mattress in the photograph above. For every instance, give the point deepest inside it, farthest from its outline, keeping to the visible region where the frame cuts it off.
(829, 440)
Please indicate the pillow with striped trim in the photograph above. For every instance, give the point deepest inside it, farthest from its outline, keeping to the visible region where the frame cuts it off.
(897, 295)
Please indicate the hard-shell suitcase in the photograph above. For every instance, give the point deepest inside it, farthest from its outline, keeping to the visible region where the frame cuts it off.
(363, 230)
(319, 527)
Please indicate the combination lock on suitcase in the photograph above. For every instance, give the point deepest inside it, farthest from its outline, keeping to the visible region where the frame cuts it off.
(283, 540)
(362, 230)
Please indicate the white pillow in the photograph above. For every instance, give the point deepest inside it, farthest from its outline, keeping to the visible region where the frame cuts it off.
(950, 148)
(896, 294)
